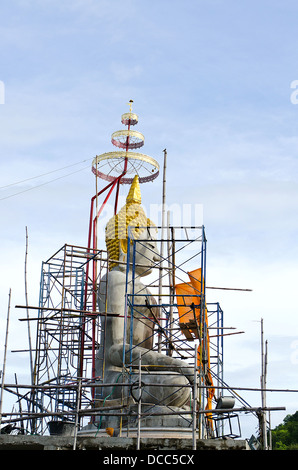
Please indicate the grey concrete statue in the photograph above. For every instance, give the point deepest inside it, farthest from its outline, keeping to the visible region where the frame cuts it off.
(163, 377)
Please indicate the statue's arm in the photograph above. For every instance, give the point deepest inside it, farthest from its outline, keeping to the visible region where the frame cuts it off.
(153, 360)
(115, 303)
(111, 300)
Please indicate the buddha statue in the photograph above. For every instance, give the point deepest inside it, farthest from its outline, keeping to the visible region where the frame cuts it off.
(119, 346)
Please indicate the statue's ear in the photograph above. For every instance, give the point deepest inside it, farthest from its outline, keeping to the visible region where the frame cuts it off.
(123, 245)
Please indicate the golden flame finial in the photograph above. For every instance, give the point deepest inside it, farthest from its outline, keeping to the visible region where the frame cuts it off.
(134, 194)
(130, 105)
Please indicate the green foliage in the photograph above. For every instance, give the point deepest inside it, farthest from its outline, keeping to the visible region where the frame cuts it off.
(285, 436)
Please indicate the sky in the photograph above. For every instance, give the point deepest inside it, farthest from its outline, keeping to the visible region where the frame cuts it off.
(213, 82)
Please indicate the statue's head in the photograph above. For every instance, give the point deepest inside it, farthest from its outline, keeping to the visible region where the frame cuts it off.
(131, 222)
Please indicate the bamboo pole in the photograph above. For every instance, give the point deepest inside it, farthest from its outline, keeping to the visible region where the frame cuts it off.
(27, 309)
(89, 385)
(162, 242)
(194, 418)
(263, 387)
(4, 358)
(139, 403)
(171, 273)
(106, 412)
(77, 414)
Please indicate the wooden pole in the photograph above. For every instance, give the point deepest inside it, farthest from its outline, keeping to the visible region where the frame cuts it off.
(194, 403)
(162, 242)
(27, 309)
(77, 413)
(171, 271)
(263, 387)
(4, 359)
(139, 404)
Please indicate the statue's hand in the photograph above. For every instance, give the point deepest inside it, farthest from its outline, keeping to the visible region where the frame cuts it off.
(153, 360)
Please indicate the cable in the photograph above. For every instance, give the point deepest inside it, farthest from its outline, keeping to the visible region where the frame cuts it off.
(43, 184)
(43, 174)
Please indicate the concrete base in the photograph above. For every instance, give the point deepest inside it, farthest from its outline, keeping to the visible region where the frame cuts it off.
(146, 432)
(106, 443)
(153, 417)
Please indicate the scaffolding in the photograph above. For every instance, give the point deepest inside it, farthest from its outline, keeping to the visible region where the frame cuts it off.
(69, 392)
(68, 381)
(181, 321)
(67, 330)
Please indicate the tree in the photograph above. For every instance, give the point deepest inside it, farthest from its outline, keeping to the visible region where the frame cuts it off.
(285, 435)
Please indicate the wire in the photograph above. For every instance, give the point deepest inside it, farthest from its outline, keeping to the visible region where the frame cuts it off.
(43, 174)
(43, 184)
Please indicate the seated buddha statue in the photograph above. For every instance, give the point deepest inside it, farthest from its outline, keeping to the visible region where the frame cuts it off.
(164, 378)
